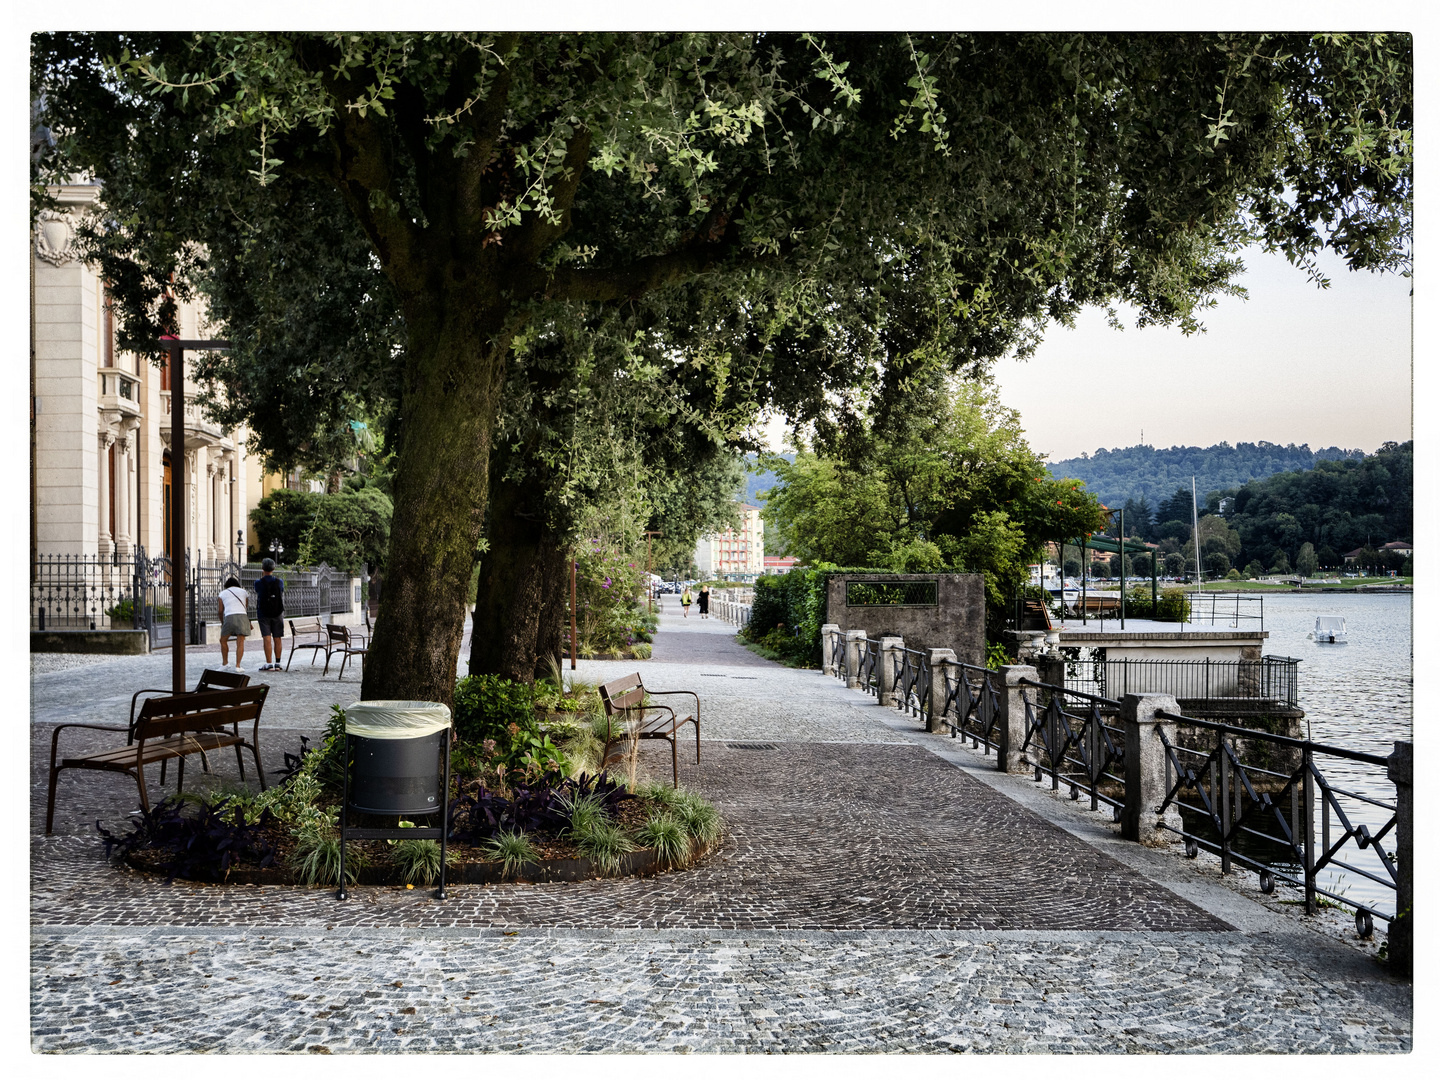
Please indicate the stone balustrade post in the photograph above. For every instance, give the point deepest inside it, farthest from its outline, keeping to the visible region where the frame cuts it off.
(828, 633)
(1400, 941)
(1010, 728)
(888, 669)
(944, 670)
(854, 646)
(1145, 769)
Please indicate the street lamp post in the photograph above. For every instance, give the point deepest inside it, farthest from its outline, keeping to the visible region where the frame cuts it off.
(239, 547)
(176, 348)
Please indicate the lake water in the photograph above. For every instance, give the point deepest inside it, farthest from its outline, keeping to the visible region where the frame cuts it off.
(1357, 696)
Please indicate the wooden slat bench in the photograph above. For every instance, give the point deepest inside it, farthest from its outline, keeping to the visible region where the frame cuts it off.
(166, 728)
(210, 679)
(625, 697)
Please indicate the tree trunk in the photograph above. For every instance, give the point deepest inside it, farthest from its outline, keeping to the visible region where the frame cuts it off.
(554, 607)
(448, 412)
(507, 604)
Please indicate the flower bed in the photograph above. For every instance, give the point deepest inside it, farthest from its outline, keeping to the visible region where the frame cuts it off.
(528, 802)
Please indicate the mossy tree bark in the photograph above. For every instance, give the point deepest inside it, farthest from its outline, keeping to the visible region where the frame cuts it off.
(518, 576)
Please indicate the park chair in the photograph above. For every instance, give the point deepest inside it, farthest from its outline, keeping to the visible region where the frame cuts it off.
(308, 634)
(625, 698)
(341, 641)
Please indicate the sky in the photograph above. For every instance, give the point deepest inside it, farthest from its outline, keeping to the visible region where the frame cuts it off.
(1291, 363)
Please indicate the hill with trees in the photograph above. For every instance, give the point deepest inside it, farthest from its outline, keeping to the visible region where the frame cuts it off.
(1135, 472)
(1302, 520)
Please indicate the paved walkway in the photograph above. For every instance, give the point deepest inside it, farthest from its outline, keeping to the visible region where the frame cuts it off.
(880, 889)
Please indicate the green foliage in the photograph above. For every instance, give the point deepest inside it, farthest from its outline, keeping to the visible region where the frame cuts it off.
(418, 860)
(514, 849)
(1174, 605)
(699, 817)
(315, 858)
(286, 516)
(997, 655)
(947, 484)
(668, 837)
(1341, 505)
(348, 529)
(486, 706)
(603, 842)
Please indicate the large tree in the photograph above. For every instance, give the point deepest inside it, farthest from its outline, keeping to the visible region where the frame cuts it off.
(970, 185)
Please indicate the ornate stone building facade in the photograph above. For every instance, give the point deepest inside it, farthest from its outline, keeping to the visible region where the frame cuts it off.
(101, 454)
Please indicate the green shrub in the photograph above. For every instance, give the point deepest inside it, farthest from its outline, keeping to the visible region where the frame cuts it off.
(347, 529)
(315, 858)
(418, 860)
(513, 849)
(486, 705)
(286, 516)
(699, 816)
(668, 837)
(1174, 605)
(603, 842)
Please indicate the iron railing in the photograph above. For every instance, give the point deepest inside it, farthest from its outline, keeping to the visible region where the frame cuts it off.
(869, 673)
(1266, 819)
(1271, 678)
(85, 592)
(912, 683)
(1073, 738)
(970, 704)
(82, 592)
(837, 655)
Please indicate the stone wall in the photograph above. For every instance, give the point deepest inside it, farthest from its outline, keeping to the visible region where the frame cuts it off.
(956, 622)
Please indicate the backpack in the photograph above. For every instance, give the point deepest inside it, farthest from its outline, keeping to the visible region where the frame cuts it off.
(272, 599)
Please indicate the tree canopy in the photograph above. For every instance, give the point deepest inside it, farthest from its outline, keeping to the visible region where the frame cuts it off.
(856, 209)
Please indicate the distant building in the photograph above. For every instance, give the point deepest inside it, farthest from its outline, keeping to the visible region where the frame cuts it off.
(735, 553)
(1399, 546)
(779, 564)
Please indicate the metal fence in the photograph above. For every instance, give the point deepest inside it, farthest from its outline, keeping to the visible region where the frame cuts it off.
(1266, 819)
(85, 592)
(1271, 678)
(970, 704)
(1074, 738)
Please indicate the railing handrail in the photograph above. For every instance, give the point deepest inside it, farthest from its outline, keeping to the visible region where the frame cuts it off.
(1283, 740)
(1063, 690)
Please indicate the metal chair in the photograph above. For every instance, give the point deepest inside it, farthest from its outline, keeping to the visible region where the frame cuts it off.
(340, 641)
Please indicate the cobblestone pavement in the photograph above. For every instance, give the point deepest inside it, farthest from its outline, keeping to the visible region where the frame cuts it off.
(879, 890)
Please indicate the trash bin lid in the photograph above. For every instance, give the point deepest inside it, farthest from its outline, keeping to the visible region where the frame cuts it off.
(396, 719)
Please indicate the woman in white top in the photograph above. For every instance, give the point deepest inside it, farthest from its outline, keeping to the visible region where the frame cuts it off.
(233, 621)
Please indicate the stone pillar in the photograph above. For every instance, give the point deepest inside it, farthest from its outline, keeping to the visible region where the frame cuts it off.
(1010, 727)
(891, 646)
(1051, 668)
(854, 644)
(1400, 940)
(944, 670)
(828, 633)
(102, 487)
(1145, 771)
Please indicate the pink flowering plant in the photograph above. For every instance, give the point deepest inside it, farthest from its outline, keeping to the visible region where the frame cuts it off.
(610, 601)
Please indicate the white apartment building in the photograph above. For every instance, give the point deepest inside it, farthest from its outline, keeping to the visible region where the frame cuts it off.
(735, 552)
(101, 454)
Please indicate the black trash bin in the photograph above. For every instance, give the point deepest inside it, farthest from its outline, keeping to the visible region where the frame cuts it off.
(397, 761)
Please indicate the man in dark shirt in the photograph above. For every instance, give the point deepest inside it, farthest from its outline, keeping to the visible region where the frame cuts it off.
(270, 597)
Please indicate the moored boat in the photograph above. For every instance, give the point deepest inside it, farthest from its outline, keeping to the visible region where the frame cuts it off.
(1329, 629)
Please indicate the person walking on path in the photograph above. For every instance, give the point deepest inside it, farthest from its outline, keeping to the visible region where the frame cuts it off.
(704, 601)
(686, 600)
(270, 606)
(234, 622)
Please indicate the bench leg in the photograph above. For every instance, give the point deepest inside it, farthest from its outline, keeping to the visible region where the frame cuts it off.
(50, 802)
(240, 761)
(674, 761)
(180, 774)
(140, 780)
(255, 750)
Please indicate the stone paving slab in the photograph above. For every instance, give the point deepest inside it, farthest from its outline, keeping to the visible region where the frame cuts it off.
(326, 992)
